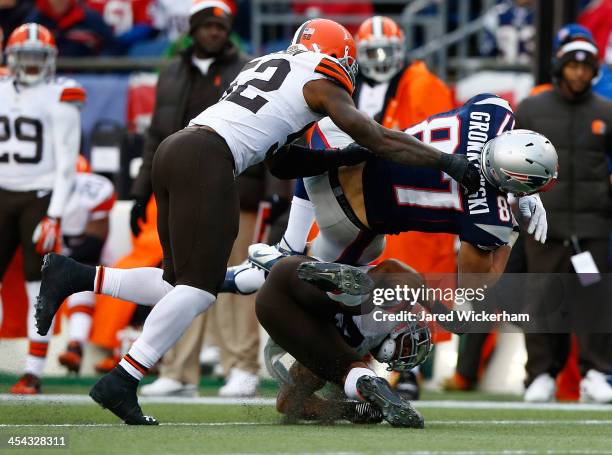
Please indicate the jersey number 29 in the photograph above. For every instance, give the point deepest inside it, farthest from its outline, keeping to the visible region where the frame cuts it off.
(25, 130)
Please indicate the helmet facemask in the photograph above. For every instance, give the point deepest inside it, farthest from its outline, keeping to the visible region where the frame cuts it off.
(380, 59)
(31, 64)
(406, 347)
(349, 64)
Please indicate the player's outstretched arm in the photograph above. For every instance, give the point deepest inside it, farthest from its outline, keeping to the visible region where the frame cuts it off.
(293, 161)
(325, 97)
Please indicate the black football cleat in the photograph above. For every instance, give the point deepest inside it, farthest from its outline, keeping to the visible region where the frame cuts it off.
(397, 411)
(118, 394)
(365, 413)
(333, 277)
(61, 277)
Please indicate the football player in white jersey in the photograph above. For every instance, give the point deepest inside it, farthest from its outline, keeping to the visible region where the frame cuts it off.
(271, 102)
(85, 227)
(39, 142)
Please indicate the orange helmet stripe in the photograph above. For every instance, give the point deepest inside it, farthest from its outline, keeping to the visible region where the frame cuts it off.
(31, 33)
(379, 27)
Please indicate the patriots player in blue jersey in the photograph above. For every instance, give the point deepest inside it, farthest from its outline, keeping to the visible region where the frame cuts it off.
(356, 206)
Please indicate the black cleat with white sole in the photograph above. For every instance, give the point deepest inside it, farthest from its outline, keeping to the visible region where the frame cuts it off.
(61, 277)
(116, 391)
(397, 411)
(333, 277)
(365, 413)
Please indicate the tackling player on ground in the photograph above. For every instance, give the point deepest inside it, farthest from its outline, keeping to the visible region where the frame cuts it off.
(356, 206)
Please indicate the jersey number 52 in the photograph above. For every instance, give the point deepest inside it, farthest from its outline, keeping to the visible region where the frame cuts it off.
(235, 92)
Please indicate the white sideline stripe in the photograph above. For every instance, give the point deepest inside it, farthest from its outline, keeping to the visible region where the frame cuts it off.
(512, 405)
(439, 404)
(231, 424)
(84, 399)
(458, 452)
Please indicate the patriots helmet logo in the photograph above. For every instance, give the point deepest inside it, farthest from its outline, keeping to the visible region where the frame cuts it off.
(531, 180)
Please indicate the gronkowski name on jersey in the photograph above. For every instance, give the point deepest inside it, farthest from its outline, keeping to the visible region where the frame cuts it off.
(264, 107)
(401, 198)
(27, 133)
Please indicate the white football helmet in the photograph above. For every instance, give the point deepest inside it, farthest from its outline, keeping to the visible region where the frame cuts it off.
(520, 162)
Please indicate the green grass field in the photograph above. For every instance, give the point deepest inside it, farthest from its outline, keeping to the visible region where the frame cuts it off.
(452, 427)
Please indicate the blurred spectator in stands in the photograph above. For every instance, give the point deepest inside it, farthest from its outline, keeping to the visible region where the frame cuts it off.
(13, 13)
(171, 17)
(579, 123)
(193, 81)
(129, 19)
(509, 32)
(322, 8)
(79, 31)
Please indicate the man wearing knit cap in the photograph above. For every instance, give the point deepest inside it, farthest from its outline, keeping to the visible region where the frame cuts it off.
(193, 81)
(579, 123)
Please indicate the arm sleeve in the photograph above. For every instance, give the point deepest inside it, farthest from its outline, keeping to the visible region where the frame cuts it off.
(66, 124)
(294, 161)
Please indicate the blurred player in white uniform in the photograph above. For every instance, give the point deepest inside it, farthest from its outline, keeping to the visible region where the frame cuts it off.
(85, 227)
(40, 130)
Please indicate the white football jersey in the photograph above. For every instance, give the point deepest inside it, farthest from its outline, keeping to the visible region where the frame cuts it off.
(264, 107)
(28, 156)
(92, 198)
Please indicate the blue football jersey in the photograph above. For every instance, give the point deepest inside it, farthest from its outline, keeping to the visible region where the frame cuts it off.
(400, 198)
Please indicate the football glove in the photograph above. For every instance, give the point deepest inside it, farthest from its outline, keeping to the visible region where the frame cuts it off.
(138, 214)
(532, 209)
(46, 237)
(461, 170)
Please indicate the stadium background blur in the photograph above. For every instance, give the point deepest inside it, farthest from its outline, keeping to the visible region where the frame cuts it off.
(503, 47)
